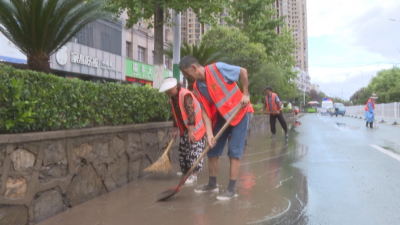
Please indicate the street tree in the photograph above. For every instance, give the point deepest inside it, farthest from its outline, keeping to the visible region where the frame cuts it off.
(387, 85)
(156, 13)
(40, 28)
(237, 46)
(205, 54)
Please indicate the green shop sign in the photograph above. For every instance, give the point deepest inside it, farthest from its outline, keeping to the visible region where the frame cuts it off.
(141, 70)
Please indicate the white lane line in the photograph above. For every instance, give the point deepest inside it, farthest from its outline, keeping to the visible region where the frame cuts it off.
(384, 151)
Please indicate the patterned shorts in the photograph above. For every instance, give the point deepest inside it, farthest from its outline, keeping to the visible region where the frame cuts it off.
(189, 153)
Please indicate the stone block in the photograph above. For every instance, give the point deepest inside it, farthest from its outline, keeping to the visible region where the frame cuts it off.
(81, 152)
(118, 146)
(101, 169)
(134, 169)
(135, 143)
(22, 159)
(47, 204)
(84, 186)
(117, 175)
(54, 154)
(52, 172)
(13, 215)
(160, 135)
(15, 188)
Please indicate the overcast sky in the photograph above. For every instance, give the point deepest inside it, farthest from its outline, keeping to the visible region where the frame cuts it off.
(350, 41)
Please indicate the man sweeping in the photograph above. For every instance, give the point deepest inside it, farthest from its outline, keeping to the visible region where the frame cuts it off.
(273, 106)
(216, 89)
(188, 118)
(369, 111)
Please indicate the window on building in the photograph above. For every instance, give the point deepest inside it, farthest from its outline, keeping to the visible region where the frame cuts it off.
(190, 41)
(190, 36)
(190, 30)
(190, 15)
(190, 9)
(128, 50)
(190, 20)
(141, 52)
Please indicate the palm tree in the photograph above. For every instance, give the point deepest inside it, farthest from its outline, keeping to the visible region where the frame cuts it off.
(204, 54)
(41, 27)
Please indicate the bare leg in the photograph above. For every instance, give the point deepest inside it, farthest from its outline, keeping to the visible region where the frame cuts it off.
(213, 165)
(235, 167)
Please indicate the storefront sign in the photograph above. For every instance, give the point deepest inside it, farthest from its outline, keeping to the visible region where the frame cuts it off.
(141, 70)
(91, 61)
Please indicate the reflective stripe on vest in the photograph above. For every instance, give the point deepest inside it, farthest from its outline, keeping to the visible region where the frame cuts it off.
(228, 94)
(199, 129)
(274, 106)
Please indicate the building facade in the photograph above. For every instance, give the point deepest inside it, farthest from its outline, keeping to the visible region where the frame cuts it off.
(295, 12)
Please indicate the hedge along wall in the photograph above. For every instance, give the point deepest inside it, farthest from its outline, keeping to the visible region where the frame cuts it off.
(33, 101)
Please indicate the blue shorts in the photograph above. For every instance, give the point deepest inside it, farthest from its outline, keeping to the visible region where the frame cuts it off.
(238, 137)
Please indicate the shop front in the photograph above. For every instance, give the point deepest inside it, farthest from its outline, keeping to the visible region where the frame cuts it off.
(141, 73)
(80, 61)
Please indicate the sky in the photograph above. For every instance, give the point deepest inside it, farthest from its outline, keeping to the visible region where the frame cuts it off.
(349, 41)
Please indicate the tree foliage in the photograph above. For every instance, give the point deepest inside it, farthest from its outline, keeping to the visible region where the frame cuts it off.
(237, 46)
(386, 85)
(155, 12)
(40, 28)
(205, 54)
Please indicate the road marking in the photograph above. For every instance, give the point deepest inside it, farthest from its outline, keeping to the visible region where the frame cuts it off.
(384, 151)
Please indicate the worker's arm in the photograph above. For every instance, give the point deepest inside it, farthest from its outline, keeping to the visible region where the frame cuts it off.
(245, 85)
(208, 125)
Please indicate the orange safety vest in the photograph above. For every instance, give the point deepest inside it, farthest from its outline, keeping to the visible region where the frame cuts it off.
(199, 129)
(366, 106)
(225, 96)
(275, 107)
(250, 109)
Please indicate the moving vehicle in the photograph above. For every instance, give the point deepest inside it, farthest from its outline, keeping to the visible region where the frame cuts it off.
(338, 109)
(312, 106)
(326, 106)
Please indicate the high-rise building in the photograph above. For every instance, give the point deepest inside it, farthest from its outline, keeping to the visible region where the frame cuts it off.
(191, 29)
(295, 12)
(296, 19)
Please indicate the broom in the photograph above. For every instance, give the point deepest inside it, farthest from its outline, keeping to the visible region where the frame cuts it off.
(163, 164)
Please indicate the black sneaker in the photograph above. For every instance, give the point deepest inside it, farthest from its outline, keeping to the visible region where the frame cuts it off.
(226, 195)
(273, 136)
(206, 188)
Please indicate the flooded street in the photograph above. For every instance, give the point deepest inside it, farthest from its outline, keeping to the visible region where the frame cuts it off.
(324, 174)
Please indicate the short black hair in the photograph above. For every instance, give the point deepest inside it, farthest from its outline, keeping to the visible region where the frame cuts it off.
(187, 61)
(268, 88)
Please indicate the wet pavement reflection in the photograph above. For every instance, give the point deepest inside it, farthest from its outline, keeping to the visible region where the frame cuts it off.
(270, 189)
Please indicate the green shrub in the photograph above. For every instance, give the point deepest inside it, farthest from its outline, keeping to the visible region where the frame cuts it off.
(32, 101)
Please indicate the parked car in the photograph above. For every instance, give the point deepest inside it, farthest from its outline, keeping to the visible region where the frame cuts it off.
(338, 109)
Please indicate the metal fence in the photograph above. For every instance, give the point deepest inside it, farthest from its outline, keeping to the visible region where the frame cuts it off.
(383, 112)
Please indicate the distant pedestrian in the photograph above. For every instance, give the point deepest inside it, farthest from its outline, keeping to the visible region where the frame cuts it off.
(189, 121)
(369, 111)
(274, 106)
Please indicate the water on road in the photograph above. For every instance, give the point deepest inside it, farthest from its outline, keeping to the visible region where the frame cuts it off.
(331, 171)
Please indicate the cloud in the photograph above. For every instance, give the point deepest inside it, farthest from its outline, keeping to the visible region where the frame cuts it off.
(351, 38)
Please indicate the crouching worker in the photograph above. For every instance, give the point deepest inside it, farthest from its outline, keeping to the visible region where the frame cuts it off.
(188, 118)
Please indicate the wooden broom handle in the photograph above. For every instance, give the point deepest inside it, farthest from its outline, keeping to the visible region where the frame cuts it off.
(169, 146)
(238, 108)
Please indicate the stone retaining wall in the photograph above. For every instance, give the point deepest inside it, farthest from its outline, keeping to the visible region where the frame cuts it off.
(42, 174)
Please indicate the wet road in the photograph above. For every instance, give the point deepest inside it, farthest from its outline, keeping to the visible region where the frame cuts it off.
(332, 171)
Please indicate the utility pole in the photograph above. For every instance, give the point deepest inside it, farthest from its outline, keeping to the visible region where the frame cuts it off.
(177, 46)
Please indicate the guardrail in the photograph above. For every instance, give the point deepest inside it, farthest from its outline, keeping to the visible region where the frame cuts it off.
(383, 111)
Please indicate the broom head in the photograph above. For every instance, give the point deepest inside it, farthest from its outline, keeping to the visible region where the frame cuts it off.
(162, 165)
